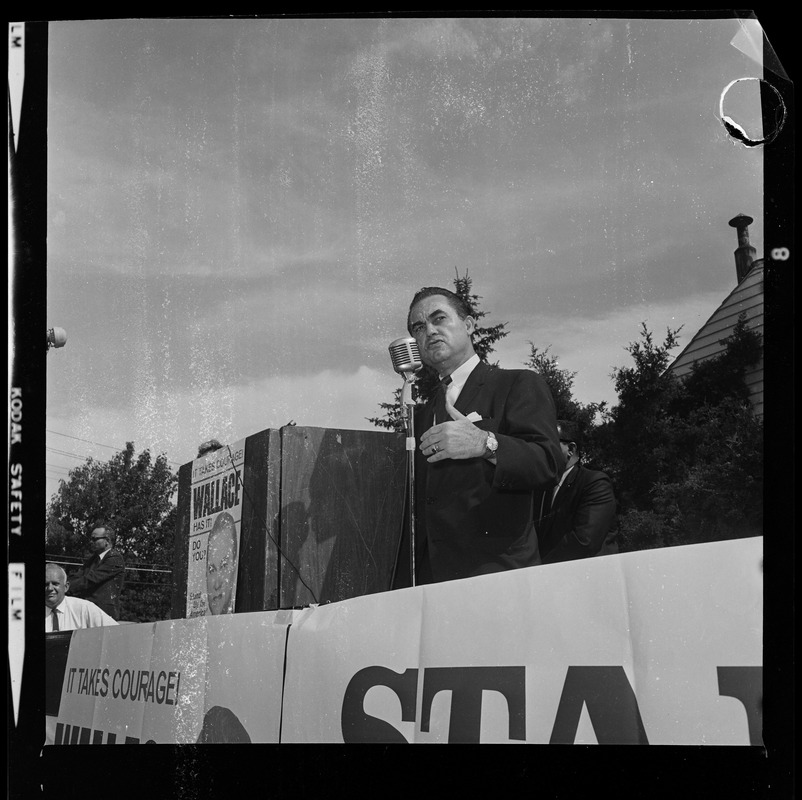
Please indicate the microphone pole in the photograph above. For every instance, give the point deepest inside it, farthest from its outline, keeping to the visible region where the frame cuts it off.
(406, 361)
(407, 415)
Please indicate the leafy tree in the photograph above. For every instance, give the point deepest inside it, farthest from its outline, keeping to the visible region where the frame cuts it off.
(632, 439)
(561, 383)
(133, 494)
(718, 494)
(686, 454)
(647, 383)
(483, 340)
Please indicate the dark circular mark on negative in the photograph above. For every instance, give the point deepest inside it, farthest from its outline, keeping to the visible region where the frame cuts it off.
(773, 110)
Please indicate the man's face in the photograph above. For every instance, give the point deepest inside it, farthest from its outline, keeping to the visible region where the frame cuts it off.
(444, 340)
(55, 587)
(98, 541)
(568, 448)
(220, 571)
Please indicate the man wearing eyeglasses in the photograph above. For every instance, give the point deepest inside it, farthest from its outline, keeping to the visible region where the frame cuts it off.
(101, 579)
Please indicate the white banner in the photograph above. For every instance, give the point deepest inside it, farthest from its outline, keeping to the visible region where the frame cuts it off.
(210, 680)
(658, 647)
(655, 647)
(214, 536)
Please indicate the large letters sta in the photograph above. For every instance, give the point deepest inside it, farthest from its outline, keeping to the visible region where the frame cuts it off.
(656, 647)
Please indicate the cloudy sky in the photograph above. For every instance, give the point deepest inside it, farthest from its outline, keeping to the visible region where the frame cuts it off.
(240, 210)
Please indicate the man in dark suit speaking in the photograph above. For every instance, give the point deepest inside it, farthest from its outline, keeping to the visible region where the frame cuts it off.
(577, 518)
(101, 579)
(486, 441)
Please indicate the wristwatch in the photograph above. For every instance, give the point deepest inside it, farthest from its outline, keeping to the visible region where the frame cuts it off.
(491, 445)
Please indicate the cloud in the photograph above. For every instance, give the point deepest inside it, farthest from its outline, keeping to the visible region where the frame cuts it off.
(593, 347)
(239, 208)
(330, 398)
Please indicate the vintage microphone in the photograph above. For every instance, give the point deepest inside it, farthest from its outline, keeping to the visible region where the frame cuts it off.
(406, 359)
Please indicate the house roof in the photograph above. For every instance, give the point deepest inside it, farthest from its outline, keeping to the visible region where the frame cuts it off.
(746, 298)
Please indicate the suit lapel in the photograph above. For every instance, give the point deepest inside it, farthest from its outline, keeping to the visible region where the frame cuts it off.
(471, 388)
(562, 492)
(424, 418)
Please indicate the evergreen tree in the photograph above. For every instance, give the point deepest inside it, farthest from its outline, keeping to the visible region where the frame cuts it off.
(133, 494)
(686, 454)
(484, 338)
(632, 437)
(561, 383)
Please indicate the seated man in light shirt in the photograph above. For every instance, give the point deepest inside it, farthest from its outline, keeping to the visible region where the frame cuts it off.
(64, 613)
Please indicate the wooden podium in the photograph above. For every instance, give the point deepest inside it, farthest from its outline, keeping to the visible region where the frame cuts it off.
(322, 516)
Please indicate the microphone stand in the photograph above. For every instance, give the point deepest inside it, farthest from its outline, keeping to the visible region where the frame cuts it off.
(408, 417)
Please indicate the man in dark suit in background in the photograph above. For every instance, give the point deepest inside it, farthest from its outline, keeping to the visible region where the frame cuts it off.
(486, 441)
(101, 579)
(577, 518)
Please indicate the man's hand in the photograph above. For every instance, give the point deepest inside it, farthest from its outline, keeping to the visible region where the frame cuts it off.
(459, 438)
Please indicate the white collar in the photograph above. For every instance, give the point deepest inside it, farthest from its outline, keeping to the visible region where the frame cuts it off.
(462, 372)
(564, 476)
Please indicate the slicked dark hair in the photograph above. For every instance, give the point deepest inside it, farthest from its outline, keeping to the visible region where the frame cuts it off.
(569, 432)
(455, 301)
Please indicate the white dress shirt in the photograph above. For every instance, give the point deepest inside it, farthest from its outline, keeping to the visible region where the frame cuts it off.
(74, 613)
(562, 480)
(458, 378)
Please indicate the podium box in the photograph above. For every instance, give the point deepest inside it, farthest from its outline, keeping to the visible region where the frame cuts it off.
(322, 516)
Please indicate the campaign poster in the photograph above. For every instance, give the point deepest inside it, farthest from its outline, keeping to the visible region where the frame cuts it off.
(245, 677)
(209, 680)
(133, 684)
(216, 497)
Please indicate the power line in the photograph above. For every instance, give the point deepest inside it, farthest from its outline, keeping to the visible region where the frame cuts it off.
(66, 453)
(83, 440)
(99, 444)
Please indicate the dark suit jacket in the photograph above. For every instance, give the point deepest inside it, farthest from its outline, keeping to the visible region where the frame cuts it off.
(582, 520)
(101, 582)
(473, 517)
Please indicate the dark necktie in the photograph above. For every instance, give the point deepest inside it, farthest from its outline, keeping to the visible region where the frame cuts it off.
(54, 614)
(440, 414)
